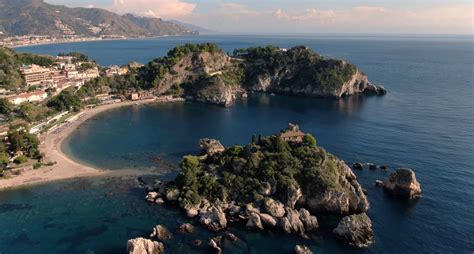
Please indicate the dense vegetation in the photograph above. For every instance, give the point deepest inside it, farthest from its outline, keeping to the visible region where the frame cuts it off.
(240, 173)
(65, 100)
(151, 74)
(308, 67)
(20, 145)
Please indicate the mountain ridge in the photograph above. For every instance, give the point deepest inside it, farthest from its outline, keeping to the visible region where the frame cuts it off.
(20, 17)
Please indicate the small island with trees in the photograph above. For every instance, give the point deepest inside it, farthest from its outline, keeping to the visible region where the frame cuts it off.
(269, 184)
(284, 183)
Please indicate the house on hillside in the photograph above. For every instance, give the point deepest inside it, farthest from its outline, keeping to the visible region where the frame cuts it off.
(292, 133)
(34, 96)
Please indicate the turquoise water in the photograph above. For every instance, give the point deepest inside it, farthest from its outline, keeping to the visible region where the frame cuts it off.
(426, 122)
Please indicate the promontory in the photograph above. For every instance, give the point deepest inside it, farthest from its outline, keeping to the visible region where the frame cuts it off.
(205, 73)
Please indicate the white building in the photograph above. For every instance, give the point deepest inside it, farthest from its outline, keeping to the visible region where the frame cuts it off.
(34, 96)
(72, 74)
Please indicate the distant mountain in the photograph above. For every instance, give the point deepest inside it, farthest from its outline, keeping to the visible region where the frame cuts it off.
(192, 27)
(22, 17)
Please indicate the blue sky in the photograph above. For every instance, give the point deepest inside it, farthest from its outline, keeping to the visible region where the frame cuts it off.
(304, 16)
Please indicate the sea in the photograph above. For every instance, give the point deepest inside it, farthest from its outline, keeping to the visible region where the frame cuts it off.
(425, 122)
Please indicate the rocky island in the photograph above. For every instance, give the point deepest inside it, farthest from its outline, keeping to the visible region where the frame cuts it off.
(280, 183)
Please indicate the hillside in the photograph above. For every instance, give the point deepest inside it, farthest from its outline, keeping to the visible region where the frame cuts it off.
(21, 17)
(10, 63)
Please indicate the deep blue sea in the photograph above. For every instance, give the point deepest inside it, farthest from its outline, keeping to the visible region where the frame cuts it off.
(426, 122)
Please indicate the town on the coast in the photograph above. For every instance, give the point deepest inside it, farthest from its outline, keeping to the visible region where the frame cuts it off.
(30, 40)
(44, 94)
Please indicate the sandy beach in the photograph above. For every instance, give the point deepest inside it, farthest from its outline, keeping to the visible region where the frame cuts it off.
(65, 168)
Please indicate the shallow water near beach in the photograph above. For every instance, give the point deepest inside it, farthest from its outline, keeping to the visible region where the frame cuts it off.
(426, 122)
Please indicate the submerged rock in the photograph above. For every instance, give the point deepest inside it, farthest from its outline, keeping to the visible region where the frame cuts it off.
(379, 183)
(355, 230)
(186, 228)
(302, 249)
(403, 183)
(197, 243)
(358, 166)
(161, 233)
(144, 246)
(213, 219)
(231, 237)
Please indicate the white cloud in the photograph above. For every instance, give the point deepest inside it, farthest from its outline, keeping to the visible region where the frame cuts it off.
(234, 8)
(369, 9)
(306, 15)
(155, 8)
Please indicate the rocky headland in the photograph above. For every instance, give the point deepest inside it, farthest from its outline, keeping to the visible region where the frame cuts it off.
(205, 73)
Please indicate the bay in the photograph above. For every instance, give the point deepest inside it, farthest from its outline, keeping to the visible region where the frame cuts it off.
(426, 122)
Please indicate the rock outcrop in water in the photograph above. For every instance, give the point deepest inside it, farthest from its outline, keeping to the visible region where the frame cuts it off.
(301, 249)
(161, 233)
(355, 230)
(204, 73)
(270, 184)
(403, 183)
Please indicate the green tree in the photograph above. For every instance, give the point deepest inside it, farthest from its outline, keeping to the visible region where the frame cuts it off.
(65, 101)
(309, 140)
(3, 159)
(190, 168)
(17, 141)
(21, 159)
(6, 107)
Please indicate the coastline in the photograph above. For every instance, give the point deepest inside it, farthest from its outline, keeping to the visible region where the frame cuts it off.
(92, 40)
(65, 167)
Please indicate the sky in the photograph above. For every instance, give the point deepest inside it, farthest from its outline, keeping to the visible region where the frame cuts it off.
(304, 16)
